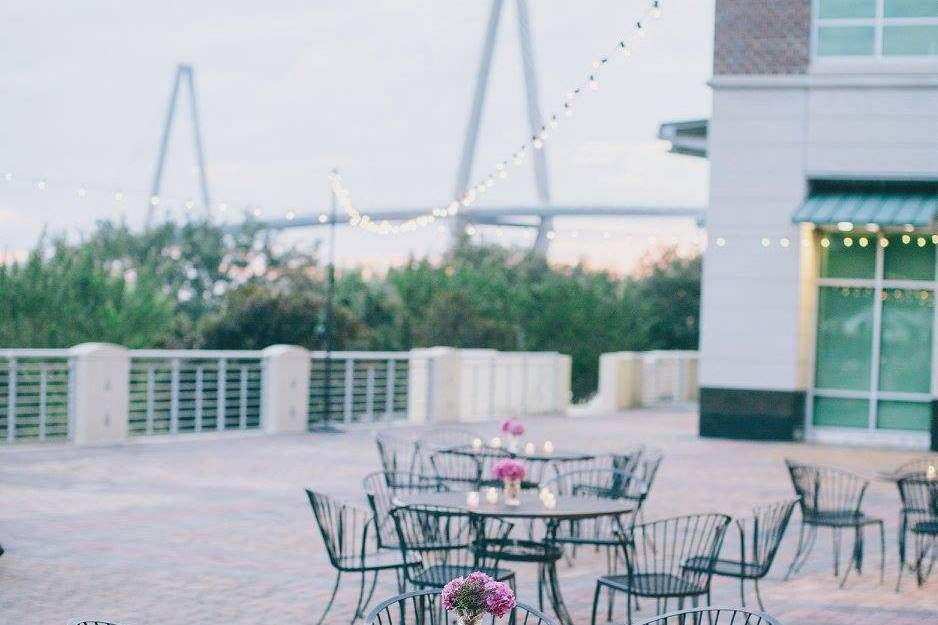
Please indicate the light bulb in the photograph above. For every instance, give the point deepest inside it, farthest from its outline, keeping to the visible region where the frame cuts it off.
(82, 191)
(119, 195)
(553, 122)
(655, 11)
(551, 234)
(256, 212)
(538, 144)
(784, 242)
(766, 242)
(568, 110)
(221, 207)
(190, 205)
(596, 64)
(543, 134)
(639, 30)
(721, 241)
(594, 84)
(290, 215)
(154, 200)
(323, 219)
(41, 185)
(8, 176)
(503, 174)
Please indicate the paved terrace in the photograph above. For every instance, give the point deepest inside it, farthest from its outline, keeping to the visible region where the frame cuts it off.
(218, 531)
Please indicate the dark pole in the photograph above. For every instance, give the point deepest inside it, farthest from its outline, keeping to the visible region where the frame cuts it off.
(330, 295)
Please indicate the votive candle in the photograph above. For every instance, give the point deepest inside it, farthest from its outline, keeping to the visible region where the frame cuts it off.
(472, 498)
(491, 495)
(548, 447)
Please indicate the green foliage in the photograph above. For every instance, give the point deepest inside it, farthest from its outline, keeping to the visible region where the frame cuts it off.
(195, 285)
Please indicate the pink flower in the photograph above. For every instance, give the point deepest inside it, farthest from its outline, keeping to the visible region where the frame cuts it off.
(499, 600)
(508, 470)
(477, 593)
(449, 593)
(513, 427)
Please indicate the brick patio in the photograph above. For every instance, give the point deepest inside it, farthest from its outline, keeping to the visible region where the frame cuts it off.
(217, 530)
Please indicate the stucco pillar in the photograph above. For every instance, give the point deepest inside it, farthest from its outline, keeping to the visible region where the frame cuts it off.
(433, 390)
(100, 393)
(285, 389)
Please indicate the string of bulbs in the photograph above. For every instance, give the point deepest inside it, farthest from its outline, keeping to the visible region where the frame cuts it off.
(622, 50)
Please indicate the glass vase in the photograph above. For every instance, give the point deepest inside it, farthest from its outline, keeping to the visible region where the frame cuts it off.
(512, 492)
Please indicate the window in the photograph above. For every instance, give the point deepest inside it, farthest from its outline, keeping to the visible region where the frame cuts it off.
(876, 28)
(875, 323)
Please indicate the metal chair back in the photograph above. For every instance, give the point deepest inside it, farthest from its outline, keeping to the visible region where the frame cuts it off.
(382, 488)
(765, 530)
(713, 616)
(826, 490)
(422, 607)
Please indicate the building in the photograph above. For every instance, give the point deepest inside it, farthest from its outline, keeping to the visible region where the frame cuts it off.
(818, 317)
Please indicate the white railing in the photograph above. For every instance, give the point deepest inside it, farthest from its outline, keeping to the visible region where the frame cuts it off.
(499, 384)
(669, 376)
(635, 379)
(34, 394)
(173, 391)
(363, 386)
(98, 393)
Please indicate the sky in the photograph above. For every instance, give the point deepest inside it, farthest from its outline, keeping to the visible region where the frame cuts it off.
(380, 89)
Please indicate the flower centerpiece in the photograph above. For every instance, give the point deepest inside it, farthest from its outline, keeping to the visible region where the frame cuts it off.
(510, 472)
(514, 429)
(475, 595)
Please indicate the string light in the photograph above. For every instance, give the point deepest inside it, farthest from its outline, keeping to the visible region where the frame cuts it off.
(82, 191)
(41, 185)
(8, 176)
(537, 141)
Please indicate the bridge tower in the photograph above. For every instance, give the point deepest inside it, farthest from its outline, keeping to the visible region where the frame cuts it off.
(184, 73)
(532, 100)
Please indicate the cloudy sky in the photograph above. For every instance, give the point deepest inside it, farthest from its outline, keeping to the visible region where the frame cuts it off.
(380, 89)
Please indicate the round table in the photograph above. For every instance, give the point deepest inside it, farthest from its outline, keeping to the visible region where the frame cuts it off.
(487, 451)
(530, 507)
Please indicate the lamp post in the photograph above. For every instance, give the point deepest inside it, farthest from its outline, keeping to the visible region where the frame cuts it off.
(326, 327)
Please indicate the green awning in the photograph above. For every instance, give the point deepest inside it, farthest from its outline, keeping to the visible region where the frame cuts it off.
(862, 202)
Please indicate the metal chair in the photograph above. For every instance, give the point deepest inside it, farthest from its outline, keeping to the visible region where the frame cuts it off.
(449, 543)
(381, 489)
(916, 467)
(623, 461)
(422, 607)
(442, 438)
(350, 536)
(656, 557)
(397, 454)
(713, 616)
(920, 519)
(832, 498)
(82, 622)
(765, 530)
(456, 471)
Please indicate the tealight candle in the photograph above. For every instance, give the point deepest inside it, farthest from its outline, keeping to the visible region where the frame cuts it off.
(477, 443)
(550, 502)
(472, 498)
(932, 472)
(546, 492)
(495, 442)
(548, 447)
(491, 495)
(529, 448)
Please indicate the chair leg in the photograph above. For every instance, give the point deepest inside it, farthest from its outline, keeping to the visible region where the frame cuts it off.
(794, 561)
(859, 547)
(595, 603)
(882, 552)
(358, 604)
(755, 583)
(371, 594)
(835, 541)
(335, 589)
(809, 546)
(742, 592)
(540, 587)
(628, 609)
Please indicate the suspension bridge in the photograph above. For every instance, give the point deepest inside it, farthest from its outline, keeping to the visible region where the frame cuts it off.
(538, 215)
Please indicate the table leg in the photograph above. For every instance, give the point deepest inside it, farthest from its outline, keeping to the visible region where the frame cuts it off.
(553, 582)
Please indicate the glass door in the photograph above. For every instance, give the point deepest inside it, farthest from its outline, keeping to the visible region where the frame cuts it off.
(874, 341)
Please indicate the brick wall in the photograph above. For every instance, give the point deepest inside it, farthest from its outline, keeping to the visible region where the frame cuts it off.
(761, 36)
